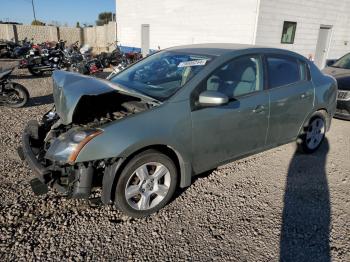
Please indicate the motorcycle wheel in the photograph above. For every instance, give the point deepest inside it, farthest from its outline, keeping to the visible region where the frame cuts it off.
(18, 96)
(34, 72)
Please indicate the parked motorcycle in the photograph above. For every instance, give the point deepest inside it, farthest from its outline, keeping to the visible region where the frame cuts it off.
(12, 94)
(113, 58)
(41, 60)
(7, 48)
(22, 49)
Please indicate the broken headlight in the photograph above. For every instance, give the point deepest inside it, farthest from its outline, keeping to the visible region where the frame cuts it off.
(67, 146)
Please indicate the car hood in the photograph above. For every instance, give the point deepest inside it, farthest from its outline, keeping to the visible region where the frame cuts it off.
(341, 75)
(69, 88)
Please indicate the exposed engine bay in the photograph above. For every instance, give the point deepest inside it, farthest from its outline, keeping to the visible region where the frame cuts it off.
(91, 112)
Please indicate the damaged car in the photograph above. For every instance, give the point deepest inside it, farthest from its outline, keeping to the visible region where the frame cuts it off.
(175, 114)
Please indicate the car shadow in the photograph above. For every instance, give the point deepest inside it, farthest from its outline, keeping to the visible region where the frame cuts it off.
(307, 211)
(40, 100)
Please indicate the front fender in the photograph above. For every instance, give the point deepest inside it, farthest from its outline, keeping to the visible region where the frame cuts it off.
(168, 124)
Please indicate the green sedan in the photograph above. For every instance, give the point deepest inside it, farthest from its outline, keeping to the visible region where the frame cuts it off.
(173, 115)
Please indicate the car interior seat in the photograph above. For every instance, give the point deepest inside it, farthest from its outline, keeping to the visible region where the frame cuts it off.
(239, 78)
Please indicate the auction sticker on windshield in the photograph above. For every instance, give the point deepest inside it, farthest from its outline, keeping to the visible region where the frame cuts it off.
(201, 62)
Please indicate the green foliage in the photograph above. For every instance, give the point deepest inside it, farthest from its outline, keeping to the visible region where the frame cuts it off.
(78, 25)
(104, 18)
(37, 22)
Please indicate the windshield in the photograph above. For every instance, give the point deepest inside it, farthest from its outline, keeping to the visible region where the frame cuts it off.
(162, 74)
(343, 62)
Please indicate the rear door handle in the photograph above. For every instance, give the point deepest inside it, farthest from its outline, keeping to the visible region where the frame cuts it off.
(259, 109)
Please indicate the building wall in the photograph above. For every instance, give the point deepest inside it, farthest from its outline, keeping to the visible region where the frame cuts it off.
(309, 15)
(178, 22)
(70, 34)
(99, 38)
(3, 31)
(38, 33)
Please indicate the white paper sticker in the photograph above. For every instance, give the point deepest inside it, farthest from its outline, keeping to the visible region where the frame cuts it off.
(193, 63)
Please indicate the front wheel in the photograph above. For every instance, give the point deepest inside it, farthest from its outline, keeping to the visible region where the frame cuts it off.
(146, 184)
(313, 135)
(17, 96)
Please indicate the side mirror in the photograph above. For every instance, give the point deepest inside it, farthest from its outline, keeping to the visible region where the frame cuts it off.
(330, 62)
(212, 98)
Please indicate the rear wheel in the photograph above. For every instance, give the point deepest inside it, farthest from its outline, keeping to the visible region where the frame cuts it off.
(17, 96)
(146, 184)
(314, 133)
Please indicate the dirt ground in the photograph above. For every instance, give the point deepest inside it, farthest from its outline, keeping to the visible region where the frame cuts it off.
(277, 205)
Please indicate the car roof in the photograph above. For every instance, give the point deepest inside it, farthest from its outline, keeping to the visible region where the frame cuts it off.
(218, 49)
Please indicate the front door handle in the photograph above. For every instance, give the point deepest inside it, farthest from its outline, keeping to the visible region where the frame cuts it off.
(303, 95)
(259, 109)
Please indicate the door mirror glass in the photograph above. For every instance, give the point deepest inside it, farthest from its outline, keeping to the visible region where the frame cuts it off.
(212, 98)
(330, 62)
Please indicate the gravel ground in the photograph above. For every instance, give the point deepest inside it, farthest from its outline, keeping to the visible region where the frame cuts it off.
(277, 205)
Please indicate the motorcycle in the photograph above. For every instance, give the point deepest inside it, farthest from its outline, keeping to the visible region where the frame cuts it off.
(40, 60)
(113, 58)
(22, 50)
(7, 48)
(12, 94)
(82, 62)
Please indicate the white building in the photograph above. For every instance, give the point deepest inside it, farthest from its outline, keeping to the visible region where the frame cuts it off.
(317, 28)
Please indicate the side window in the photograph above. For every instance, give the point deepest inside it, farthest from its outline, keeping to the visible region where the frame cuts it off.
(239, 77)
(282, 71)
(304, 71)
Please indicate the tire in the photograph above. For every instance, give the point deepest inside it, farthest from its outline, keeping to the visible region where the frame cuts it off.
(22, 93)
(146, 196)
(313, 134)
(34, 72)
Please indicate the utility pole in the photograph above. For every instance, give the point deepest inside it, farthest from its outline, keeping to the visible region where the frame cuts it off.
(33, 10)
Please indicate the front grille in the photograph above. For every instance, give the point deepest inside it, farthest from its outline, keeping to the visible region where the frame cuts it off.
(343, 95)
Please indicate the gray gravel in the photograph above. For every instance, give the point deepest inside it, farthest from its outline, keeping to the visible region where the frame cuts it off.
(271, 206)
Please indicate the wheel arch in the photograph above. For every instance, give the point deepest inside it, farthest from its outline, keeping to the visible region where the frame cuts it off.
(114, 170)
(321, 110)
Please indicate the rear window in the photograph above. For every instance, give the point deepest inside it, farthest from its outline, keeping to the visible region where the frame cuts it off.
(283, 71)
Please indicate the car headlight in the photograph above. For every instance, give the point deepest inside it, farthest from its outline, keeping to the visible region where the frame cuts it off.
(67, 146)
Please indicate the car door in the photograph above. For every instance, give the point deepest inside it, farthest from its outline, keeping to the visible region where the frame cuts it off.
(291, 97)
(225, 132)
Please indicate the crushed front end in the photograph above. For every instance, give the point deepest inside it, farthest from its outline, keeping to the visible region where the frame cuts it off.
(50, 149)
(83, 106)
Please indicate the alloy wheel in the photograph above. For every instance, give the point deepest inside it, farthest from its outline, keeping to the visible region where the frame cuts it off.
(147, 186)
(315, 133)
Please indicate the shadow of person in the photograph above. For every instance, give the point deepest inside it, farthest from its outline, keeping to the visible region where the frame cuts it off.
(307, 211)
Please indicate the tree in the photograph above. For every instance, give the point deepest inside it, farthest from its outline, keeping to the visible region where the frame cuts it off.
(78, 25)
(104, 18)
(37, 22)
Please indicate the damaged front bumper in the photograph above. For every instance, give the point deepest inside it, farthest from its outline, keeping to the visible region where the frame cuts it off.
(43, 175)
(77, 180)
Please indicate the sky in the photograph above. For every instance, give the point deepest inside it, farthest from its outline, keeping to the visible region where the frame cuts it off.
(62, 11)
